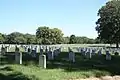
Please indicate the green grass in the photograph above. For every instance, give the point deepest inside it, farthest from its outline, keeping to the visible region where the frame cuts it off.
(49, 74)
(58, 69)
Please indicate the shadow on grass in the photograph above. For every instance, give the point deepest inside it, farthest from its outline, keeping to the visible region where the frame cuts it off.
(5, 75)
(81, 64)
(27, 59)
(6, 68)
(16, 76)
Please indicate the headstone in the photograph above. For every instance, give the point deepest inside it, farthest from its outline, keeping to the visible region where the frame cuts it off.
(93, 52)
(59, 50)
(41, 51)
(52, 48)
(46, 50)
(50, 55)
(100, 52)
(29, 51)
(71, 56)
(18, 56)
(108, 55)
(42, 61)
(6, 49)
(86, 49)
(84, 53)
(56, 52)
(25, 47)
(81, 51)
(33, 53)
(88, 54)
(3, 50)
(37, 49)
(31, 47)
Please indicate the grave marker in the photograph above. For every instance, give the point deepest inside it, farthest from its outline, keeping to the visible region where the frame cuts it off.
(108, 55)
(42, 61)
(100, 52)
(93, 51)
(50, 55)
(71, 56)
(41, 51)
(3, 51)
(29, 51)
(88, 54)
(18, 56)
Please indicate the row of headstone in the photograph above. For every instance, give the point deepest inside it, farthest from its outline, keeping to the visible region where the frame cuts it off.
(4, 50)
(88, 53)
(51, 54)
(18, 58)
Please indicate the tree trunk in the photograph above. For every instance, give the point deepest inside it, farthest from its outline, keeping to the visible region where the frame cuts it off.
(117, 45)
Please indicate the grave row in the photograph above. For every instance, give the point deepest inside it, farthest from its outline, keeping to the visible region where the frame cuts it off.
(52, 53)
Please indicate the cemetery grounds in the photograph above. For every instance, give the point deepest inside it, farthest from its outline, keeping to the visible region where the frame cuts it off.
(60, 68)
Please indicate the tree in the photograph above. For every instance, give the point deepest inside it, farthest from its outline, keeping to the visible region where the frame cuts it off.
(20, 40)
(108, 25)
(72, 39)
(56, 36)
(43, 34)
(49, 36)
(82, 40)
(2, 39)
(15, 38)
(66, 40)
(11, 37)
(30, 39)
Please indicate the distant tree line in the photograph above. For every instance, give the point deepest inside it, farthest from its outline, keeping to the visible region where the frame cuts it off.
(44, 35)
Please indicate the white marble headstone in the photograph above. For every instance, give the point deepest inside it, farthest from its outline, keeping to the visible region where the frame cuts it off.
(18, 56)
(72, 56)
(42, 61)
(108, 55)
(50, 55)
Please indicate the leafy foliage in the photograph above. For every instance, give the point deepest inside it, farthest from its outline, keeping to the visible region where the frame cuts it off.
(45, 35)
(72, 39)
(108, 25)
(49, 36)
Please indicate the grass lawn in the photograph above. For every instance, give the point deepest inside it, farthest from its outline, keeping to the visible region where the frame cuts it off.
(59, 69)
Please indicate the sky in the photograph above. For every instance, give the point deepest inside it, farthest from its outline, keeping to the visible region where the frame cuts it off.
(76, 17)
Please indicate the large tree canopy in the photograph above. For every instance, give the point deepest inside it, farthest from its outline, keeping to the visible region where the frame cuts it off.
(49, 36)
(14, 37)
(30, 39)
(108, 24)
(19, 38)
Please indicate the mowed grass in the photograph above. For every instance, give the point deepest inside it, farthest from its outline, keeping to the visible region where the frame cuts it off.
(58, 69)
(36, 73)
